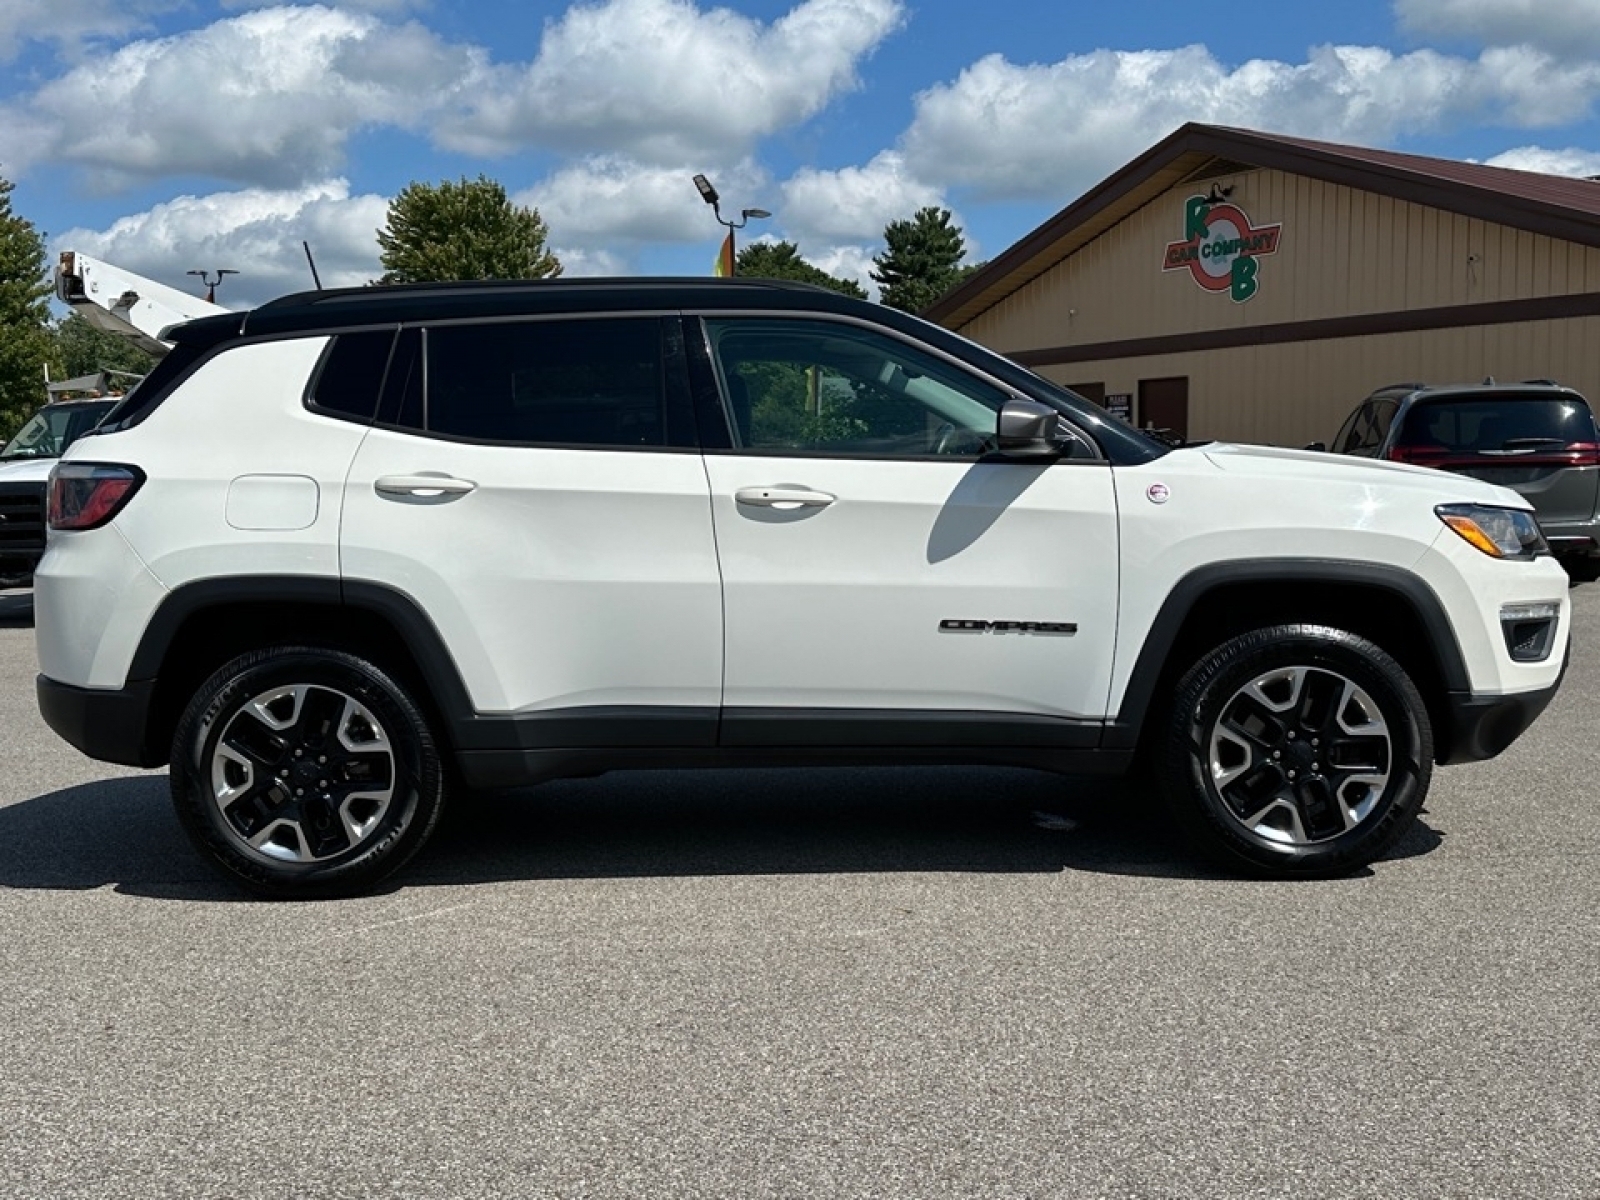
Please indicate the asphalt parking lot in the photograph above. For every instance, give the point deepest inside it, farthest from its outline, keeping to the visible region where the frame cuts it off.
(976, 983)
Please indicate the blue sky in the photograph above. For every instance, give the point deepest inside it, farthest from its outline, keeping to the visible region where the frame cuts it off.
(168, 135)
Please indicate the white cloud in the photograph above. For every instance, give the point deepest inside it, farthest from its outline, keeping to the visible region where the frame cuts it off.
(1564, 28)
(385, 7)
(270, 97)
(848, 262)
(580, 261)
(610, 199)
(67, 23)
(257, 232)
(1583, 164)
(602, 211)
(855, 202)
(664, 81)
(1009, 131)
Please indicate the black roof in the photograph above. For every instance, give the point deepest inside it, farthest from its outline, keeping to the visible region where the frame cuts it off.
(1489, 389)
(343, 307)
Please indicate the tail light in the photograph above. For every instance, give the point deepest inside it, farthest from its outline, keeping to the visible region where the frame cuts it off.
(86, 495)
(1573, 454)
(1421, 456)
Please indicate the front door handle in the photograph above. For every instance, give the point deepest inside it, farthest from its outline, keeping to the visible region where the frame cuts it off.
(782, 497)
(422, 485)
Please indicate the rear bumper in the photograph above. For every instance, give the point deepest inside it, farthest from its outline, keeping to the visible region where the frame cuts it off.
(111, 725)
(1572, 537)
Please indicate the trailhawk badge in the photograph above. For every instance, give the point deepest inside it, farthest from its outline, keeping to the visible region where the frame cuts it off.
(1221, 248)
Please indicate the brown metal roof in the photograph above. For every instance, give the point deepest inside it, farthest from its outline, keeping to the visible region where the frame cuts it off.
(1559, 207)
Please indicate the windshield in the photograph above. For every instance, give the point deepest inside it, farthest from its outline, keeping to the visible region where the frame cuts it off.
(53, 428)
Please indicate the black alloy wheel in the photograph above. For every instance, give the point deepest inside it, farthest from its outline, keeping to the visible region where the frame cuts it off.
(1297, 750)
(305, 772)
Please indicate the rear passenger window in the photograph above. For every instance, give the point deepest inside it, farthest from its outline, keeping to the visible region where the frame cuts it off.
(351, 375)
(566, 383)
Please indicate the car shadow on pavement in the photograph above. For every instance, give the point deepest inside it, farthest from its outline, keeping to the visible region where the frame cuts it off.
(122, 833)
(117, 833)
(16, 610)
(819, 822)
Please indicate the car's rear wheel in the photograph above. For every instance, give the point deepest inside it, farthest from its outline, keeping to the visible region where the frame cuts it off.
(303, 772)
(1297, 750)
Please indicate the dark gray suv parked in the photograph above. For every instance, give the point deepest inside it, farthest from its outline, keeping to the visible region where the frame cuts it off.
(1538, 438)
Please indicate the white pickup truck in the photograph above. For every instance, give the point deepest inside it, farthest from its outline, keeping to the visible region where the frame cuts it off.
(25, 464)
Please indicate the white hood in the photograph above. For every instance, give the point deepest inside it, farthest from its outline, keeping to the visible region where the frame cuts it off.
(1282, 465)
(14, 469)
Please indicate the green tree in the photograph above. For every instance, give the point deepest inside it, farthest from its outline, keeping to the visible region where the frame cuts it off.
(922, 260)
(464, 230)
(781, 260)
(81, 349)
(24, 316)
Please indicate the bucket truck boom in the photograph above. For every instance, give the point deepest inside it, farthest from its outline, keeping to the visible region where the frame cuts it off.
(129, 305)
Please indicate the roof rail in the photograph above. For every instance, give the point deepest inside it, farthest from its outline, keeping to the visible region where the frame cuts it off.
(594, 282)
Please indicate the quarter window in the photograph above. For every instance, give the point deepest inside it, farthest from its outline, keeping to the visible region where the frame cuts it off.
(1364, 432)
(817, 387)
(351, 375)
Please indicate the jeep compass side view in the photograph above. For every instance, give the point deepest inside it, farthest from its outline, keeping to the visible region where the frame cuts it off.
(356, 548)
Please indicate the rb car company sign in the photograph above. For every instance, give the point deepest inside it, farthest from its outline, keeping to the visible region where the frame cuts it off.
(1220, 248)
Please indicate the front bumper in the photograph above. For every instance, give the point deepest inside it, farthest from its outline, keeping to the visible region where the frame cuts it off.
(112, 725)
(1480, 727)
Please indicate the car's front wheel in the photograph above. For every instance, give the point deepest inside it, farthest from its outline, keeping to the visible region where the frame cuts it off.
(1297, 750)
(303, 772)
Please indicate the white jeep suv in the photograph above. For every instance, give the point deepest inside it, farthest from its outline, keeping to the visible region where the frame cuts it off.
(355, 548)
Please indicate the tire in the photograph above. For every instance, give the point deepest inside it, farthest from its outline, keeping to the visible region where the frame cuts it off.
(1296, 751)
(305, 773)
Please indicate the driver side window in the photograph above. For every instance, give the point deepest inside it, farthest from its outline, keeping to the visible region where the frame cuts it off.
(805, 386)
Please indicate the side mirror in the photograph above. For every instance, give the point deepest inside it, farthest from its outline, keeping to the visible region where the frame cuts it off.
(1323, 446)
(1030, 429)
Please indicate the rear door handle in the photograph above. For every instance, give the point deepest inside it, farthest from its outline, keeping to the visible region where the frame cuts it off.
(422, 485)
(782, 496)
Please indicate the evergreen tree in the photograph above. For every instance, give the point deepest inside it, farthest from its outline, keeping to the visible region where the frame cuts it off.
(781, 260)
(464, 230)
(24, 316)
(922, 260)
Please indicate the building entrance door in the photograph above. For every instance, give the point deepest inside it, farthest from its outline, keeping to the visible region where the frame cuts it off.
(1164, 405)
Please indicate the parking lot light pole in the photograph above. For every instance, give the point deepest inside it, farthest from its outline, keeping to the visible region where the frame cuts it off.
(709, 195)
(211, 284)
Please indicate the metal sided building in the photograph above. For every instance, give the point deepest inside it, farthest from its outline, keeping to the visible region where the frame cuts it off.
(1236, 285)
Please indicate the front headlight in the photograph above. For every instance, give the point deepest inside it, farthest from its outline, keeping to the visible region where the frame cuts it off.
(1498, 532)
